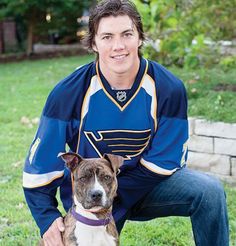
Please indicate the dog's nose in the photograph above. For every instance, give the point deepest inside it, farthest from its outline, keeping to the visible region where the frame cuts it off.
(96, 195)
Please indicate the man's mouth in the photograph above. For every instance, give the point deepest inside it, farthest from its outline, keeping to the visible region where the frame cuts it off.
(119, 57)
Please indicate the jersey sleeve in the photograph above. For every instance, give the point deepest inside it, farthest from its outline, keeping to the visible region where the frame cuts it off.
(43, 204)
(168, 148)
(43, 171)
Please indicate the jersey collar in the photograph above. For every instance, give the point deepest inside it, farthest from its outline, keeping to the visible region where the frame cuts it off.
(130, 94)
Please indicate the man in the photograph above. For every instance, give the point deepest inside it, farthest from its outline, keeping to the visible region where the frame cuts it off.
(129, 106)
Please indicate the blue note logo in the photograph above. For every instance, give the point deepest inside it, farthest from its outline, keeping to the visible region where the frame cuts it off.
(126, 143)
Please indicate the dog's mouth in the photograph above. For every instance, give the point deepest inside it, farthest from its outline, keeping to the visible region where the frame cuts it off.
(97, 206)
(95, 209)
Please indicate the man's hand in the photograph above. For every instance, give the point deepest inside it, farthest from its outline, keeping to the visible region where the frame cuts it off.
(52, 237)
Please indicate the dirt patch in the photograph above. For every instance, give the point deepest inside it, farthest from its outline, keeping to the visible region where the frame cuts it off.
(225, 87)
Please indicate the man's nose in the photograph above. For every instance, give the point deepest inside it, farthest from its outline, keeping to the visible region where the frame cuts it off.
(118, 44)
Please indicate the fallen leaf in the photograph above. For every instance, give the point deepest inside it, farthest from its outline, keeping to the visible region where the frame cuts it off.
(30, 125)
(24, 120)
(20, 205)
(35, 121)
(5, 179)
(17, 164)
(192, 81)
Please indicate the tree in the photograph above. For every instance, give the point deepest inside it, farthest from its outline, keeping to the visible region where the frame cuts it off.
(33, 13)
(182, 27)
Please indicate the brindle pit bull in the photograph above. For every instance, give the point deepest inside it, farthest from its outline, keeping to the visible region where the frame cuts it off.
(89, 222)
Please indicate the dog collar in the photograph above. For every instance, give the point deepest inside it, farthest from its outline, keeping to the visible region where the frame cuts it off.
(91, 222)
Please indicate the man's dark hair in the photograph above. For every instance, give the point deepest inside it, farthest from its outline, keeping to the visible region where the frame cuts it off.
(114, 8)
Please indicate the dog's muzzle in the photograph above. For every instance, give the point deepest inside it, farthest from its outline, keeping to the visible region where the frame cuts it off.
(95, 195)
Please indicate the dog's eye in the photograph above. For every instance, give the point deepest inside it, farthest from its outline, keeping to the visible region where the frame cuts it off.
(82, 179)
(107, 177)
(85, 177)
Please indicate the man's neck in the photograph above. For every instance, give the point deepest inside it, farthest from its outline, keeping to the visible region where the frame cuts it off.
(121, 81)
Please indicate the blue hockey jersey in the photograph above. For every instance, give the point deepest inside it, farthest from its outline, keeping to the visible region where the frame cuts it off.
(146, 124)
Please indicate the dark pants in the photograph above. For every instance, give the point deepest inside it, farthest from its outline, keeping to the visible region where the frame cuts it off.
(186, 193)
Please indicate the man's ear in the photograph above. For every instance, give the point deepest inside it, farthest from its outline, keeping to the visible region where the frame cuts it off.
(71, 159)
(115, 160)
(94, 47)
(140, 42)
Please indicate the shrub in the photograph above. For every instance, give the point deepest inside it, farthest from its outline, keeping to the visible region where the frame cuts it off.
(187, 31)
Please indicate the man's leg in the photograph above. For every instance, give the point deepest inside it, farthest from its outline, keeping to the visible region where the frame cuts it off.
(189, 193)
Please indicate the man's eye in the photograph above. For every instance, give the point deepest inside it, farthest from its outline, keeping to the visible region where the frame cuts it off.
(106, 37)
(128, 34)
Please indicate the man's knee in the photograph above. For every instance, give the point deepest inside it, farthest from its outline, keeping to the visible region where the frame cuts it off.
(214, 188)
(210, 194)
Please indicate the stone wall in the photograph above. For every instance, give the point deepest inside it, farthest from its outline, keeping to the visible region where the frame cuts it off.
(212, 148)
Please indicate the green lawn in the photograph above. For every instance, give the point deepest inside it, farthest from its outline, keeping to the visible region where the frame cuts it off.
(211, 93)
(24, 87)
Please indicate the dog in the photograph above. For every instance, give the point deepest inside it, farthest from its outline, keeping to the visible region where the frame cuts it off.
(94, 185)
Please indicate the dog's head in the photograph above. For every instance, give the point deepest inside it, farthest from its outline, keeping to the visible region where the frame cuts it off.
(94, 180)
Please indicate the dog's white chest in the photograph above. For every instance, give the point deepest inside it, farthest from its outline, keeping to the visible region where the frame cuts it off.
(93, 235)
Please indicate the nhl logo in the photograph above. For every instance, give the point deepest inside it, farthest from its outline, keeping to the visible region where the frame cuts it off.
(121, 96)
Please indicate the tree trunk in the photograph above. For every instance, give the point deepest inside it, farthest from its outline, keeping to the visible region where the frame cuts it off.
(30, 37)
(1, 39)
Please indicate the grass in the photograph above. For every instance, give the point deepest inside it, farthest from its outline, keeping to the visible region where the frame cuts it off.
(203, 97)
(24, 88)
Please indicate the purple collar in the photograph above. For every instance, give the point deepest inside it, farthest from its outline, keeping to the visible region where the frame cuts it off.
(91, 222)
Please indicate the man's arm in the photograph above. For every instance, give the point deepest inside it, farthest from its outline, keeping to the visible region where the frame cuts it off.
(168, 149)
(44, 171)
(43, 204)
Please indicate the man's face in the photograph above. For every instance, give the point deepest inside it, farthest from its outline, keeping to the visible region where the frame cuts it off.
(117, 42)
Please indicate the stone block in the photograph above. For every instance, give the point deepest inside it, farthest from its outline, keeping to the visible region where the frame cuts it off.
(226, 179)
(233, 167)
(197, 161)
(218, 164)
(215, 129)
(191, 122)
(200, 144)
(225, 146)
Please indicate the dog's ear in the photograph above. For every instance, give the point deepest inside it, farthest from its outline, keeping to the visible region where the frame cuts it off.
(71, 159)
(115, 160)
